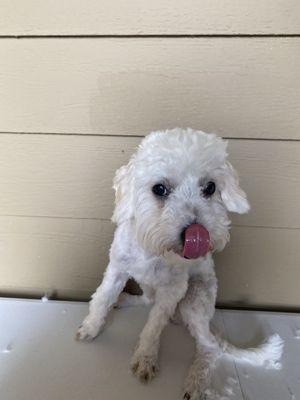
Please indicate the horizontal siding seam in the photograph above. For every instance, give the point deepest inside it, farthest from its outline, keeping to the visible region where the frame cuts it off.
(158, 36)
(55, 217)
(57, 134)
(109, 220)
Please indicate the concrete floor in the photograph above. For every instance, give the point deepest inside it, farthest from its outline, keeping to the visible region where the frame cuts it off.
(40, 360)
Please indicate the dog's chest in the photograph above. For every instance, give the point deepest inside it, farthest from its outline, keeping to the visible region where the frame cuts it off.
(155, 273)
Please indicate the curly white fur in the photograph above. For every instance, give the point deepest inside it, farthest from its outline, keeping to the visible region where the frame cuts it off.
(147, 247)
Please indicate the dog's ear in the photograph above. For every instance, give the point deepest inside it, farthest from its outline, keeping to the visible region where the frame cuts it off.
(123, 186)
(233, 196)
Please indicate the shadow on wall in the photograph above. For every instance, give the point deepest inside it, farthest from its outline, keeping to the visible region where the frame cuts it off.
(126, 98)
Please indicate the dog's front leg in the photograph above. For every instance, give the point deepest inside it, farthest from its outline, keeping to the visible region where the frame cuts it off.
(199, 376)
(103, 299)
(144, 360)
(197, 309)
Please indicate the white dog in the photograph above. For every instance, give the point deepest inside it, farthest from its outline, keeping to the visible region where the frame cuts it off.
(172, 200)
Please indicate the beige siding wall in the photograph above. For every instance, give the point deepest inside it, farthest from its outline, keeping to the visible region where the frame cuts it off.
(80, 85)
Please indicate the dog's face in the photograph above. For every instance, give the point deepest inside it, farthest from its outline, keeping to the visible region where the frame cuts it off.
(177, 189)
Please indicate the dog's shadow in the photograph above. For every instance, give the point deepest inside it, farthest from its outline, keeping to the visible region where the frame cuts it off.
(241, 327)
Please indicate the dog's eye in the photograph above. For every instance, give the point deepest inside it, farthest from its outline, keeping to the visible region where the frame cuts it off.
(160, 190)
(209, 189)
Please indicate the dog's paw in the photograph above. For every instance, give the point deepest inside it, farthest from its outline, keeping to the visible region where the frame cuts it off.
(195, 388)
(89, 330)
(144, 366)
(208, 394)
(196, 395)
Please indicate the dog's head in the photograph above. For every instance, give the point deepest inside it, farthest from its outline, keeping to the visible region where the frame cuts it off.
(176, 191)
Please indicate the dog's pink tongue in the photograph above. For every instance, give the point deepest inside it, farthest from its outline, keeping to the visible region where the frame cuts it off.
(196, 241)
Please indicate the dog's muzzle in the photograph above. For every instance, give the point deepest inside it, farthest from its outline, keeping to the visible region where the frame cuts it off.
(196, 241)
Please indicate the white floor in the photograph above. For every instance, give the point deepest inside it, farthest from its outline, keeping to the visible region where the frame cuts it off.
(40, 360)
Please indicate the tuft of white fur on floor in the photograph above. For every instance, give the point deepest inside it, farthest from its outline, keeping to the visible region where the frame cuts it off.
(45, 298)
